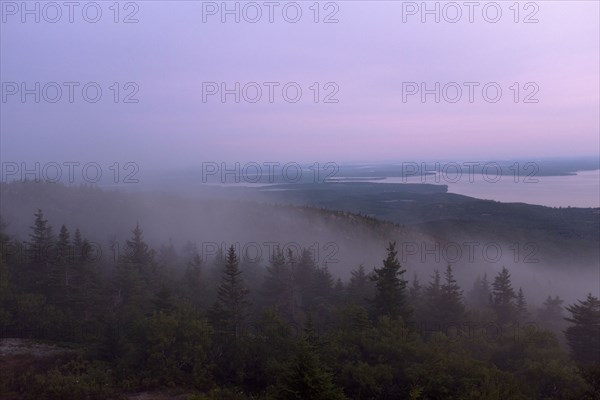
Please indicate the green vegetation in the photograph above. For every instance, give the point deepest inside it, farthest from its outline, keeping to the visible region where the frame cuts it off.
(227, 329)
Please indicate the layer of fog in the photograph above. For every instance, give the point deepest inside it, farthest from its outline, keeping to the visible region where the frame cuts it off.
(339, 240)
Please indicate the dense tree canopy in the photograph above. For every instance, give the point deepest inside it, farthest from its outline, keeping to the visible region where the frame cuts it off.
(175, 319)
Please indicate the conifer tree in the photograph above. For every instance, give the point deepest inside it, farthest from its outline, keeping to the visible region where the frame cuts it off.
(503, 297)
(232, 296)
(416, 289)
(452, 305)
(168, 255)
(277, 286)
(305, 276)
(134, 278)
(37, 276)
(551, 313)
(360, 287)
(416, 294)
(323, 285)
(163, 301)
(40, 236)
(306, 378)
(521, 307)
(137, 251)
(583, 336)
(433, 302)
(552, 309)
(390, 287)
(479, 296)
(214, 273)
(433, 291)
(486, 290)
(339, 291)
(193, 282)
(77, 246)
(87, 290)
(62, 260)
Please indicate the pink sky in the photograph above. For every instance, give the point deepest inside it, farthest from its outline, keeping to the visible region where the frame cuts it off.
(368, 54)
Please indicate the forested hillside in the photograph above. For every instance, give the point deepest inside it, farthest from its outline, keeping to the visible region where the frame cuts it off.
(225, 328)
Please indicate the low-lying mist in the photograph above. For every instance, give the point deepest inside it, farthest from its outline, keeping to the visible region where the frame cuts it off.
(339, 240)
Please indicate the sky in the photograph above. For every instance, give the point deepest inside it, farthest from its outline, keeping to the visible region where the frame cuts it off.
(509, 81)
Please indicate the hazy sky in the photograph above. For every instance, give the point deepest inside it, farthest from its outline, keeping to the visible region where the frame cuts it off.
(366, 61)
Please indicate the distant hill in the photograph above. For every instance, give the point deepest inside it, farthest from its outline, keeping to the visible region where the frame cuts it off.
(568, 231)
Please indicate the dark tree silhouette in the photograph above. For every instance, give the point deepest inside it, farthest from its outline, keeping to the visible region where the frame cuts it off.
(390, 287)
(584, 335)
(503, 297)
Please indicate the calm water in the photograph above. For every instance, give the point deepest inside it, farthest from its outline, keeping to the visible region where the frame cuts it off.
(581, 190)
